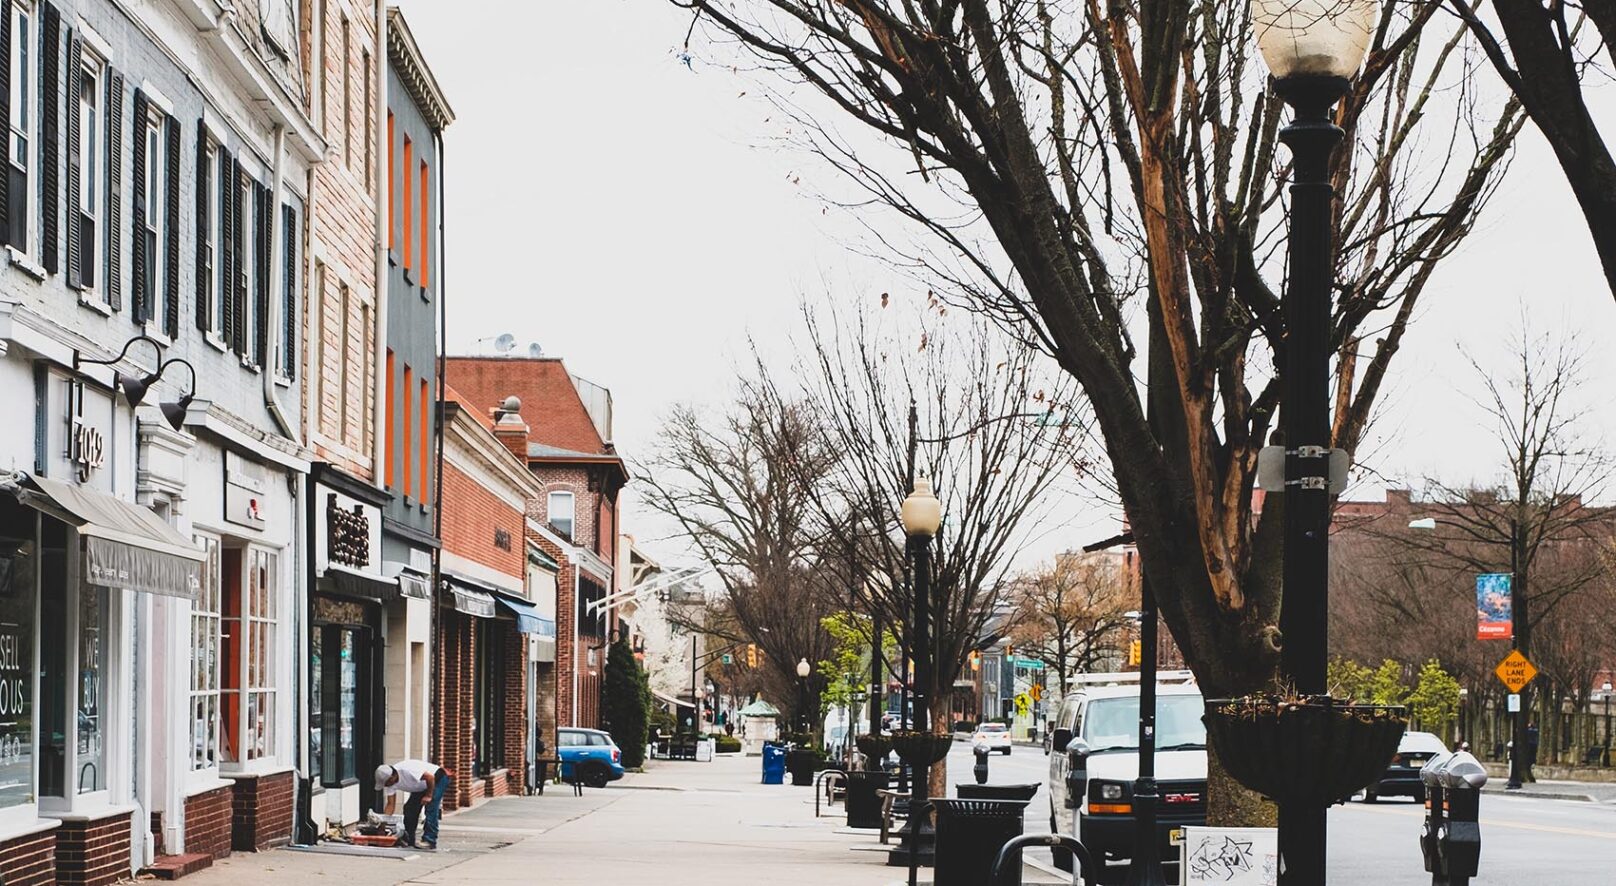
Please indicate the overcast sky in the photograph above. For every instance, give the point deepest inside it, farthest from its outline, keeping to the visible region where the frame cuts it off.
(613, 205)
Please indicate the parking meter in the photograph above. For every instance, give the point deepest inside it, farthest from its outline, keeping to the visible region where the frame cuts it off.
(1451, 838)
(980, 770)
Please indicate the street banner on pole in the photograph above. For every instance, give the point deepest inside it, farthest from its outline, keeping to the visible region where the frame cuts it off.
(1494, 602)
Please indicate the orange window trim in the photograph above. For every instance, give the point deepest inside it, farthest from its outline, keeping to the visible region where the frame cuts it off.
(392, 428)
(392, 203)
(426, 227)
(409, 201)
(409, 384)
(426, 434)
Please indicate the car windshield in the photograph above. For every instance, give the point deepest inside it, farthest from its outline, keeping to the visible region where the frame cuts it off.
(1421, 743)
(1113, 723)
(992, 727)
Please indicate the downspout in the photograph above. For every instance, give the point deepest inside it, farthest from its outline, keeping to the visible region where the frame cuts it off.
(276, 289)
(437, 467)
(378, 405)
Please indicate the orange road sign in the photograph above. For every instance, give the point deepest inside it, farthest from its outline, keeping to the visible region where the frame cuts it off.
(1515, 671)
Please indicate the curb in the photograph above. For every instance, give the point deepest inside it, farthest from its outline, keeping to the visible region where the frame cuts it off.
(1542, 795)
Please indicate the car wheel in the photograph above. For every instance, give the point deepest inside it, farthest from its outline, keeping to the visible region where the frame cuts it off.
(1063, 856)
(596, 776)
(1370, 796)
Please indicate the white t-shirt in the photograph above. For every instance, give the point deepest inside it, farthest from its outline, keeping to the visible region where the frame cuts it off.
(411, 776)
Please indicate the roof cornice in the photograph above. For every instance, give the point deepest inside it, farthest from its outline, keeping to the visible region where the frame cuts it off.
(405, 56)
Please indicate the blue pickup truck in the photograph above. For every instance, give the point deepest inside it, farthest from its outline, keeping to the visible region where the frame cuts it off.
(591, 754)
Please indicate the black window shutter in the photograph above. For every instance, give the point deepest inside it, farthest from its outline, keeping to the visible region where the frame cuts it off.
(141, 298)
(50, 107)
(75, 67)
(204, 306)
(261, 231)
(289, 296)
(114, 225)
(5, 117)
(227, 254)
(171, 319)
(238, 237)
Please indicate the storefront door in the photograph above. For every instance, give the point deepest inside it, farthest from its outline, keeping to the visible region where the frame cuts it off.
(342, 708)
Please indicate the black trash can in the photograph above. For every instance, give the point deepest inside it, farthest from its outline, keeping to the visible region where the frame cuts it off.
(801, 764)
(863, 806)
(995, 791)
(970, 834)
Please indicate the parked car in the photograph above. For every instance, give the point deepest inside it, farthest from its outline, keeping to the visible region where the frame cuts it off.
(1094, 760)
(590, 753)
(993, 736)
(1402, 778)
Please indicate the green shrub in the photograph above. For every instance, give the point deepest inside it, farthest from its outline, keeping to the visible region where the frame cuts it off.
(726, 744)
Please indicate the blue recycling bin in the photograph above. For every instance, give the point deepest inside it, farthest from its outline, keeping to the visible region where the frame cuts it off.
(774, 763)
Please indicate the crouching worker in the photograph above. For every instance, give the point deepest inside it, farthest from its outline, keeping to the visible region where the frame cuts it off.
(424, 783)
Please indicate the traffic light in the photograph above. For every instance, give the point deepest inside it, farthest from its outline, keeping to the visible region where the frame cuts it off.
(751, 655)
(1037, 692)
(1135, 652)
(976, 660)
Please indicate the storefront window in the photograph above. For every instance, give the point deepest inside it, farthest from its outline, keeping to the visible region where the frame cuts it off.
(205, 661)
(18, 562)
(316, 705)
(92, 689)
(262, 585)
(53, 657)
(348, 708)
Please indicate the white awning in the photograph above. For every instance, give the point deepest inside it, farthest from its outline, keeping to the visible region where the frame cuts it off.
(125, 545)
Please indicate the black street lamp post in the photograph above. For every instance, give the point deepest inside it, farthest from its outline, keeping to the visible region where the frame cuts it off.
(804, 720)
(1606, 690)
(1145, 868)
(1311, 47)
(922, 515)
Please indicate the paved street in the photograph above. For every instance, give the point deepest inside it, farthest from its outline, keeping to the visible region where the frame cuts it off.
(683, 824)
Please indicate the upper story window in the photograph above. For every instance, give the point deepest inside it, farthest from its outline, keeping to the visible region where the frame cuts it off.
(86, 157)
(347, 92)
(151, 222)
(20, 147)
(560, 513)
(209, 217)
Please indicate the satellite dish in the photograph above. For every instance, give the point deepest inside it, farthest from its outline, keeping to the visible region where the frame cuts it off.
(534, 351)
(505, 342)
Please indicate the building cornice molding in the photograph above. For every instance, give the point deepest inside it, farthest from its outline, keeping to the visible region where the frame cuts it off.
(404, 54)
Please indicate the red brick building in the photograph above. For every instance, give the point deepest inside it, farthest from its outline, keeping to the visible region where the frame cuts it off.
(485, 727)
(574, 519)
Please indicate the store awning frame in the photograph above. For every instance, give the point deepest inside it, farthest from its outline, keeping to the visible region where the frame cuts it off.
(528, 619)
(124, 545)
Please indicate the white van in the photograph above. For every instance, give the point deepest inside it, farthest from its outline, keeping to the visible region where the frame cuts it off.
(1094, 759)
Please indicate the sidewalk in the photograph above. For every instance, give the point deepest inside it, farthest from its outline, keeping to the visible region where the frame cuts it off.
(678, 824)
(1586, 791)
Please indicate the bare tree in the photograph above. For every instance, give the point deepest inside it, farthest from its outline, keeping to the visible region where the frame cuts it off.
(1068, 157)
(999, 435)
(737, 484)
(1072, 613)
(1536, 521)
(1543, 59)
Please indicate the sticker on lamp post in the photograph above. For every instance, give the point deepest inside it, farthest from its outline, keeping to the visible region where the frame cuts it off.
(1514, 703)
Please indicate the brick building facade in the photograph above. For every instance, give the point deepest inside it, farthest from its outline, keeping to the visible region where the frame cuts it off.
(486, 725)
(574, 518)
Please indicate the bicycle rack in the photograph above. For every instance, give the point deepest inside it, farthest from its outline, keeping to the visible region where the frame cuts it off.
(1084, 863)
(820, 779)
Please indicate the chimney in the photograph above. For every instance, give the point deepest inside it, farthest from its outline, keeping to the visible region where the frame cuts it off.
(1403, 497)
(510, 428)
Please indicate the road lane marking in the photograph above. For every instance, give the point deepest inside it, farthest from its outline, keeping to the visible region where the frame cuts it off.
(1500, 822)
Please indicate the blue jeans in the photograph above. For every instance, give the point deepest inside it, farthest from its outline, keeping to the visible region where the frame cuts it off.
(434, 809)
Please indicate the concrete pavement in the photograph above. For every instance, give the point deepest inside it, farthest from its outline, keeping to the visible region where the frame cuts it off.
(678, 824)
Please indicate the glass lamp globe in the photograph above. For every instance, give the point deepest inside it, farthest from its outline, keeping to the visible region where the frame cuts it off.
(803, 669)
(1314, 38)
(922, 513)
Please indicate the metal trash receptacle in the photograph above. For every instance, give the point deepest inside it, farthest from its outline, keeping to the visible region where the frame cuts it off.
(970, 834)
(995, 791)
(774, 764)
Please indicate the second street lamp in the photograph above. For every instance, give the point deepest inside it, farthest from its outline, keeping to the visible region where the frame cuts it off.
(1312, 48)
(805, 721)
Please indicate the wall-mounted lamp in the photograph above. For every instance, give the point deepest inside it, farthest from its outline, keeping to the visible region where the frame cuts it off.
(175, 411)
(134, 389)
